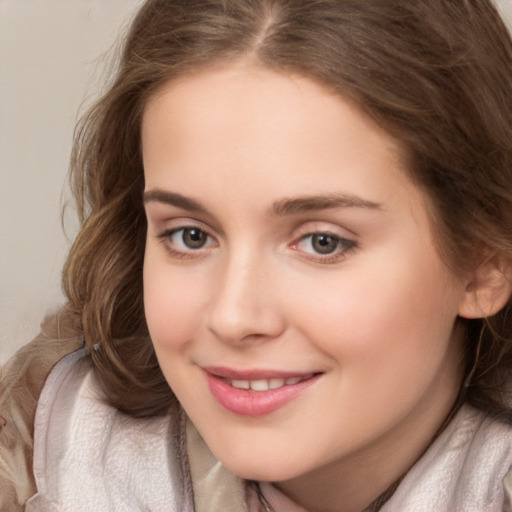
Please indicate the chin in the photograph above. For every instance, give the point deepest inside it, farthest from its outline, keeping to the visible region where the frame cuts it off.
(271, 470)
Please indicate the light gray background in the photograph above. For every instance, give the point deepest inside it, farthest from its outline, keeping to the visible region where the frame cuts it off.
(51, 67)
(52, 60)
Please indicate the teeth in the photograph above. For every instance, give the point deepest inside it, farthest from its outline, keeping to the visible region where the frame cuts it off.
(292, 380)
(276, 383)
(259, 385)
(240, 384)
(266, 384)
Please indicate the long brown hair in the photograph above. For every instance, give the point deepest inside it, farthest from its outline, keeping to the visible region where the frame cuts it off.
(436, 74)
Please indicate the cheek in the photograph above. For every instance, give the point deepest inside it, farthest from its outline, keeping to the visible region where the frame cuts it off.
(387, 322)
(388, 341)
(171, 305)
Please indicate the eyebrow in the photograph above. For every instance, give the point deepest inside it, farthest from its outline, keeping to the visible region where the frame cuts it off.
(321, 202)
(280, 208)
(173, 199)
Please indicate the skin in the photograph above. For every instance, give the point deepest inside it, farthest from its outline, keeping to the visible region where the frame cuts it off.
(374, 317)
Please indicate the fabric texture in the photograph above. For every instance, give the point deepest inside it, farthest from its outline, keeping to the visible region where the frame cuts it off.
(21, 381)
(88, 456)
(463, 471)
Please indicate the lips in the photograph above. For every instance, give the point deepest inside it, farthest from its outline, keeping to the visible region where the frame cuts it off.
(256, 392)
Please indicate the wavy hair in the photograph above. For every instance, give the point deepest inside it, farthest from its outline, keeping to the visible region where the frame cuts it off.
(436, 74)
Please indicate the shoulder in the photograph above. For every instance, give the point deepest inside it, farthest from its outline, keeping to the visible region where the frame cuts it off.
(21, 382)
(464, 469)
(89, 456)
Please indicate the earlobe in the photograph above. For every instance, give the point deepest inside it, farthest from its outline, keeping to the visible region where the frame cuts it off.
(489, 288)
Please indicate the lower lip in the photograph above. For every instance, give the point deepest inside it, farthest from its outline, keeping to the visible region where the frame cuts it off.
(255, 403)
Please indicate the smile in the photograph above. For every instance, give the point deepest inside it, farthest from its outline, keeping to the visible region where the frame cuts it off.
(259, 393)
(266, 384)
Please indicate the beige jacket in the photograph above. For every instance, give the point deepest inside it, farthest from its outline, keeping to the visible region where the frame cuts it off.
(21, 382)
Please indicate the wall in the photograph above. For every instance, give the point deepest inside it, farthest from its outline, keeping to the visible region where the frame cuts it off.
(51, 63)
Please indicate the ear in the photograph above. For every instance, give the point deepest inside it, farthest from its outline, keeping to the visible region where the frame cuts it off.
(488, 289)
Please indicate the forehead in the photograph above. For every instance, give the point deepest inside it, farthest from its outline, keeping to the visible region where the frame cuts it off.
(260, 130)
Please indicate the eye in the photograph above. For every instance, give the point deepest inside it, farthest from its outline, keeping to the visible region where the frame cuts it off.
(324, 243)
(325, 247)
(190, 238)
(186, 240)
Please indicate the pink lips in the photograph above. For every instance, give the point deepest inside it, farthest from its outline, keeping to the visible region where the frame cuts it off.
(248, 402)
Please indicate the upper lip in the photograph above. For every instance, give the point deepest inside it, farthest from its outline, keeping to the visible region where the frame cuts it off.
(254, 373)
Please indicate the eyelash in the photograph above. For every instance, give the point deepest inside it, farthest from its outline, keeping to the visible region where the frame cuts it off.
(166, 239)
(343, 246)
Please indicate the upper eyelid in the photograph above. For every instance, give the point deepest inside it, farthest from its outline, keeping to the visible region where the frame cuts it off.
(158, 213)
(175, 224)
(315, 227)
(165, 222)
(340, 238)
(170, 231)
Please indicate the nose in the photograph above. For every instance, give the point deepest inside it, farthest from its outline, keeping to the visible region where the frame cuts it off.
(245, 305)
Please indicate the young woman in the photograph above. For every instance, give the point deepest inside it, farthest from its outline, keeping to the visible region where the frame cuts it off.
(293, 273)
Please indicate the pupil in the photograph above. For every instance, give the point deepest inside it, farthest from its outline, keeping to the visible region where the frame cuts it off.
(194, 238)
(324, 244)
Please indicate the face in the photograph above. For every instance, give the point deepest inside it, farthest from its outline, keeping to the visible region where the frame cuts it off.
(293, 292)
